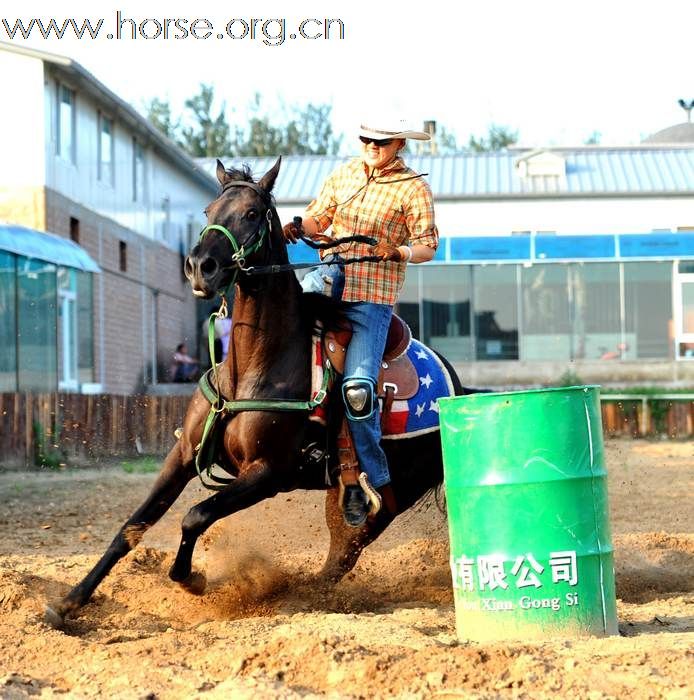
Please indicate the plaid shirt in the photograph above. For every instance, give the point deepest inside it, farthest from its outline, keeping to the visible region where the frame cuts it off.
(391, 205)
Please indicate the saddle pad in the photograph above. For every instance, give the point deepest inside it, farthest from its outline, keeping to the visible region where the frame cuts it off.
(419, 414)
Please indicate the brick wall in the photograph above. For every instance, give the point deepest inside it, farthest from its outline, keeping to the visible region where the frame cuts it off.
(127, 302)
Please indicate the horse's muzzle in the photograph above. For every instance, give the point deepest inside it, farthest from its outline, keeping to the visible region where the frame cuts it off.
(203, 273)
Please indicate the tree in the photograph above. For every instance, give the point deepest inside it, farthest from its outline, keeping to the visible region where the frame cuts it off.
(159, 115)
(209, 136)
(594, 139)
(306, 131)
(498, 138)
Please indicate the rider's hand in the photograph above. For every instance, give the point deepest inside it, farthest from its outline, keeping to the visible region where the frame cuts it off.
(386, 251)
(292, 231)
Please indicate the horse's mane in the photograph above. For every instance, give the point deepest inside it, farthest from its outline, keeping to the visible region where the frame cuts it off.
(242, 174)
(317, 307)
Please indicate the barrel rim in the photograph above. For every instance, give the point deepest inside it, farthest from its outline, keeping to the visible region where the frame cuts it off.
(585, 388)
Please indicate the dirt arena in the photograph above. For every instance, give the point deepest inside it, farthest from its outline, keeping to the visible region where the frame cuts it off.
(266, 628)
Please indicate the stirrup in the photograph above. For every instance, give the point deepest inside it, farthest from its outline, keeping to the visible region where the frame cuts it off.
(371, 493)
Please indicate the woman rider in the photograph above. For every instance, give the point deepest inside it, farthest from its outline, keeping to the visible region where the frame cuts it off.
(375, 195)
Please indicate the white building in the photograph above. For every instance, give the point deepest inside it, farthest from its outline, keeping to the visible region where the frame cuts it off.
(79, 162)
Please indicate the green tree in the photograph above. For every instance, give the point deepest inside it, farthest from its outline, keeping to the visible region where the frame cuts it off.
(497, 139)
(159, 115)
(594, 139)
(208, 136)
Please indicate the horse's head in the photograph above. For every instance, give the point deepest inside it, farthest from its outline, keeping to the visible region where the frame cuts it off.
(242, 229)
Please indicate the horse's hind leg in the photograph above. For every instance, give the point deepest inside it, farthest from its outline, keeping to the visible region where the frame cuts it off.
(171, 481)
(254, 485)
(347, 543)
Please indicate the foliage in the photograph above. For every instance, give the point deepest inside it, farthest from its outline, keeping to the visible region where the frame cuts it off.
(141, 465)
(209, 135)
(207, 132)
(570, 378)
(159, 115)
(593, 139)
(497, 139)
(44, 454)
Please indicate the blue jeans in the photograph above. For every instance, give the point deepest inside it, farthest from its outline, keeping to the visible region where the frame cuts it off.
(370, 324)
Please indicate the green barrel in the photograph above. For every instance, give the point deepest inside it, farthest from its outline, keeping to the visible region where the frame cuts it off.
(526, 491)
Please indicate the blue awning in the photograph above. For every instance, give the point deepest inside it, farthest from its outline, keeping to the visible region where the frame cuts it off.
(45, 246)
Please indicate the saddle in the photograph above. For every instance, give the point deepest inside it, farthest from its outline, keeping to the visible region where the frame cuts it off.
(398, 378)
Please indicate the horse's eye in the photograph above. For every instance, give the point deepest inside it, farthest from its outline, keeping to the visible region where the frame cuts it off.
(252, 214)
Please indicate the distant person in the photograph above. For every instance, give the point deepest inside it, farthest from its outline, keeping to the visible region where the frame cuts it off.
(617, 354)
(184, 367)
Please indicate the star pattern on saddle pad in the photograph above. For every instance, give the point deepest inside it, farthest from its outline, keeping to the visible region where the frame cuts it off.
(420, 412)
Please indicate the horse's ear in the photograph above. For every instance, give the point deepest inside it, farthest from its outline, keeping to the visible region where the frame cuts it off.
(267, 181)
(222, 175)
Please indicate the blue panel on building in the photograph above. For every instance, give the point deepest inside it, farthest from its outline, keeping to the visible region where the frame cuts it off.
(657, 245)
(574, 247)
(490, 248)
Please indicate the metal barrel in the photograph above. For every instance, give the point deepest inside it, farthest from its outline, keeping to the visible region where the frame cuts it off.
(526, 492)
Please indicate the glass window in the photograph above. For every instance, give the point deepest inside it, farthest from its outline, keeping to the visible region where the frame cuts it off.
(446, 310)
(67, 328)
(105, 149)
(546, 326)
(8, 323)
(408, 301)
(85, 327)
(648, 306)
(65, 143)
(496, 312)
(597, 333)
(138, 172)
(36, 325)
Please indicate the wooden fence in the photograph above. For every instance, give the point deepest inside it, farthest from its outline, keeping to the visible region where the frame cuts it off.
(74, 428)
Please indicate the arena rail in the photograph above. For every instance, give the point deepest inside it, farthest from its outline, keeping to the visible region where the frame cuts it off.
(62, 428)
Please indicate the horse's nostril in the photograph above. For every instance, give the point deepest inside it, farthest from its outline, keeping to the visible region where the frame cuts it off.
(187, 267)
(208, 267)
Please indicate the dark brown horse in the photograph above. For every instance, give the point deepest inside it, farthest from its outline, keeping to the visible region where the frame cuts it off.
(269, 356)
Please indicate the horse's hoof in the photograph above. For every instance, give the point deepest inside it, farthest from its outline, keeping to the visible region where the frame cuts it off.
(53, 618)
(195, 583)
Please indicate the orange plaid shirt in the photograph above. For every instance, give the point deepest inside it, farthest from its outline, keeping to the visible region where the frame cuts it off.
(390, 205)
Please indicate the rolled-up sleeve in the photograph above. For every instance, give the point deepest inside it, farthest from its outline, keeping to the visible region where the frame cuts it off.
(322, 209)
(419, 215)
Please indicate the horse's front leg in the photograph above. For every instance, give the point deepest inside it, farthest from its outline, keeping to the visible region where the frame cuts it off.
(177, 471)
(254, 484)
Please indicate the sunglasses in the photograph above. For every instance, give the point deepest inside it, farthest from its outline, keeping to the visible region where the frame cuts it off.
(380, 143)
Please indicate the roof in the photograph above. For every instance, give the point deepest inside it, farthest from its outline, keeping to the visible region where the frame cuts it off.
(45, 246)
(86, 82)
(591, 171)
(679, 133)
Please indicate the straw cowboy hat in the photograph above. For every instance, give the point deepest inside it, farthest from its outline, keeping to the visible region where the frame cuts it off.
(390, 128)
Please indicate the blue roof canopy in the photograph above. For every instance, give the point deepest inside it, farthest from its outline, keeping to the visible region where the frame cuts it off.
(45, 246)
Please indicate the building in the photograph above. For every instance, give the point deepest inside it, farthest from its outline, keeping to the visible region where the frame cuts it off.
(80, 163)
(551, 260)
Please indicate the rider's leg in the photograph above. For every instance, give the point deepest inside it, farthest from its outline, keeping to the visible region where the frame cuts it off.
(370, 324)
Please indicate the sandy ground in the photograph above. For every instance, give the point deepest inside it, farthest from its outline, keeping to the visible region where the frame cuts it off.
(267, 628)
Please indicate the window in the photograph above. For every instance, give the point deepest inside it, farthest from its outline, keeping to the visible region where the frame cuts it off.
(36, 325)
(595, 303)
(446, 299)
(105, 148)
(496, 312)
(65, 143)
(138, 172)
(546, 320)
(123, 256)
(648, 308)
(74, 230)
(8, 323)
